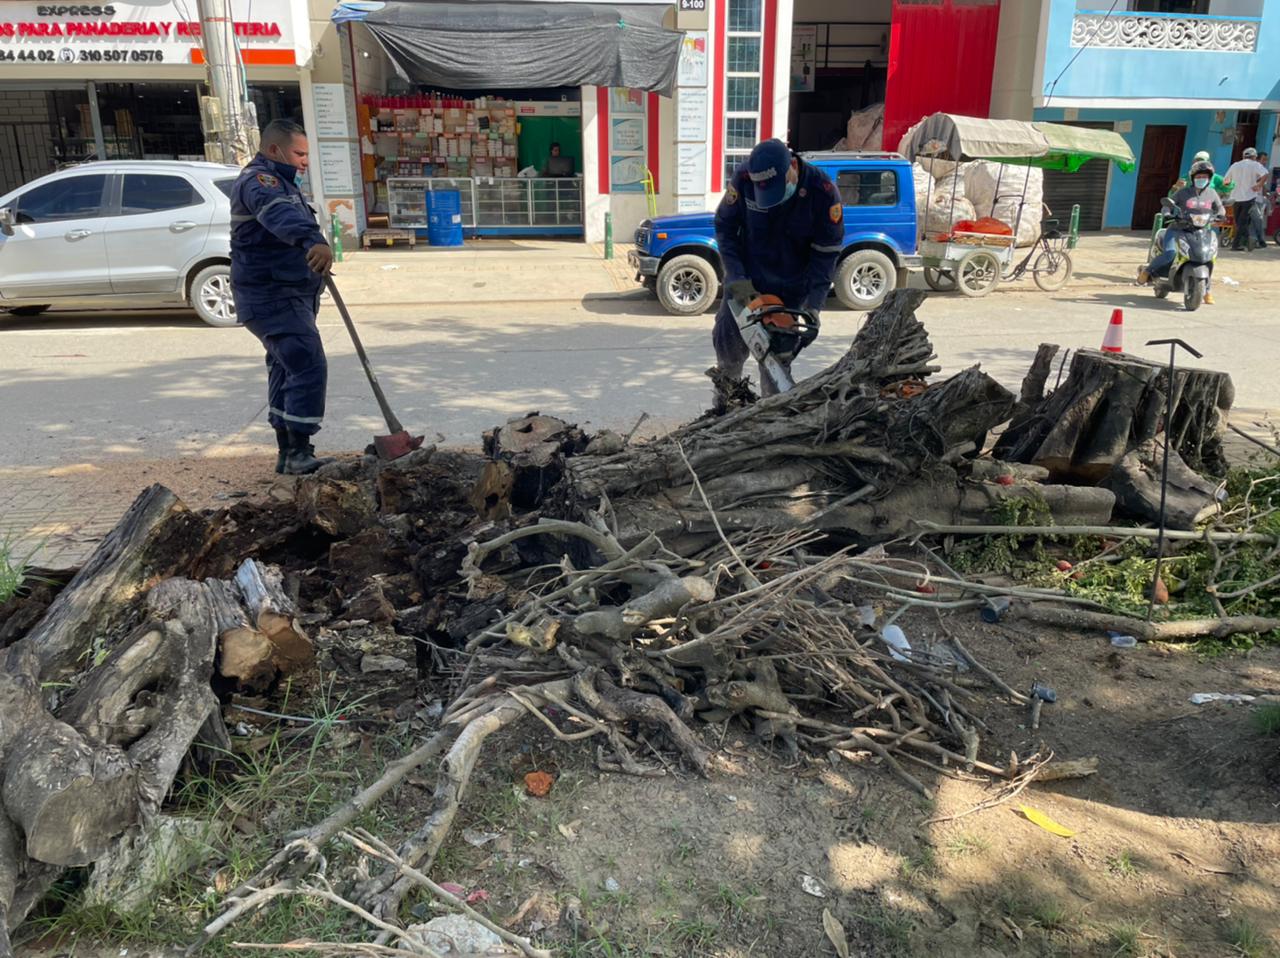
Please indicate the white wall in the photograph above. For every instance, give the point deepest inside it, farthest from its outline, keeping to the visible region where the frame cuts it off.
(1016, 73)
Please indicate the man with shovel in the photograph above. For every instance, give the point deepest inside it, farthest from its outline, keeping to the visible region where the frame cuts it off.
(279, 260)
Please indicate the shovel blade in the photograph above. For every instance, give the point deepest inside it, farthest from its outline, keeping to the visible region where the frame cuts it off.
(396, 445)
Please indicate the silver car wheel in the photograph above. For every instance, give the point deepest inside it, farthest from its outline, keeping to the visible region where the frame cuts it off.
(868, 281)
(687, 286)
(215, 296)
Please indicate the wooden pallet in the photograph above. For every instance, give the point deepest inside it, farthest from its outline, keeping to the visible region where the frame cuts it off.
(389, 235)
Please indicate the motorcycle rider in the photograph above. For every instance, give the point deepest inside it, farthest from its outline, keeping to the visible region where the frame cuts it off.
(1200, 187)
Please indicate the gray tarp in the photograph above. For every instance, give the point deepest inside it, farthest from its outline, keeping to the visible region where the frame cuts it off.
(477, 45)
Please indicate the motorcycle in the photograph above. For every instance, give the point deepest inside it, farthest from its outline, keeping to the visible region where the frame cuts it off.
(1194, 253)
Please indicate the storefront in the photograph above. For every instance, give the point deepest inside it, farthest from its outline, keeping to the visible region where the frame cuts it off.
(124, 80)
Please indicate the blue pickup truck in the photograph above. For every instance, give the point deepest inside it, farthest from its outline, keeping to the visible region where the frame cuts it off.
(677, 256)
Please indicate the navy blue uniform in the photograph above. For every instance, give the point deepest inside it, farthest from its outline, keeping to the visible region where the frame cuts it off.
(277, 294)
(789, 250)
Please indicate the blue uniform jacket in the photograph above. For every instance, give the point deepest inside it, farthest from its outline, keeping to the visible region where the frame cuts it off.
(789, 250)
(272, 227)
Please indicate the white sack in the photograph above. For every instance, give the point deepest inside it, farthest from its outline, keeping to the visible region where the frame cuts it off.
(865, 129)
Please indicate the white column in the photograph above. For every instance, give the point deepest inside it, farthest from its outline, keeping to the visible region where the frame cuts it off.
(594, 203)
(782, 70)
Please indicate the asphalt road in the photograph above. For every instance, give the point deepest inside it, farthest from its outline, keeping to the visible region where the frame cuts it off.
(82, 387)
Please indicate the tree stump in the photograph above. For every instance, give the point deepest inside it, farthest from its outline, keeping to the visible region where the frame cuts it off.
(1111, 403)
(527, 458)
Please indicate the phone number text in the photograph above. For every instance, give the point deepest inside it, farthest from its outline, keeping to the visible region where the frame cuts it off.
(68, 55)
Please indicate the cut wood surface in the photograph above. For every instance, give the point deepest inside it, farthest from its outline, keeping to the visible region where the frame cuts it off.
(272, 612)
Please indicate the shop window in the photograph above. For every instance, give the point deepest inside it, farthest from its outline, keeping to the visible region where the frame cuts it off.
(744, 54)
(868, 188)
(153, 193)
(73, 198)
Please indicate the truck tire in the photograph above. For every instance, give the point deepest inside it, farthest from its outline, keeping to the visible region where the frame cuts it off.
(210, 295)
(864, 278)
(687, 285)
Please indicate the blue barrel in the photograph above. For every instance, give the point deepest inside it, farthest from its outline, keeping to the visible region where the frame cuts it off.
(444, 217)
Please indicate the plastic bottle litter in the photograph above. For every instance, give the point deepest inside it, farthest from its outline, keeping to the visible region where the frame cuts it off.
(995, 609)
(1203, 698)
(1122, 641)
(1229, 281)
(896, 639)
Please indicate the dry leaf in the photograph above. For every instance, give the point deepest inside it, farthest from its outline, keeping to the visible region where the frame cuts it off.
(567, 832)
(811, 886)
(1037, 817)
(835, 931)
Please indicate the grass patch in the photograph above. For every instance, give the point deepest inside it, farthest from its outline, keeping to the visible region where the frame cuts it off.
(13, 569)
(1125, 939)
(1247, 939)
(1122, 865)
(1267, 719)
(965, 845)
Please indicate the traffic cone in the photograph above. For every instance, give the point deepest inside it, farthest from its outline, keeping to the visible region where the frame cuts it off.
(1113, 341)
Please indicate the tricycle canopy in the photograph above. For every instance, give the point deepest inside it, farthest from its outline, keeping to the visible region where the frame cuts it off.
(1052, 146)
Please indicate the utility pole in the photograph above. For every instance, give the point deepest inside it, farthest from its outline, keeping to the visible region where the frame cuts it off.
(230, 120)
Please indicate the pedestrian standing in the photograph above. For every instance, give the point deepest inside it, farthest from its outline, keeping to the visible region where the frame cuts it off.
(1248, 181)
(279, 259)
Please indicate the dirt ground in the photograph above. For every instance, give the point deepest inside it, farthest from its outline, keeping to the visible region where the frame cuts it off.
(1175, 851)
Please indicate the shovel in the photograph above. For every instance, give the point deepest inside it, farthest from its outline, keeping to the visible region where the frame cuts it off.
(399, 442)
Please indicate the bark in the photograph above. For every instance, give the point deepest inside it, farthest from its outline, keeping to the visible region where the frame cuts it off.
(1190, 500)
(1111, 402)
(336, 507)
(528, 456)
(156, 538)
(1171, 631)
(669, 597)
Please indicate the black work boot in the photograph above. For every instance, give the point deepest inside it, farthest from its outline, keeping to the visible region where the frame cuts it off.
(282, 444)
(300, 458)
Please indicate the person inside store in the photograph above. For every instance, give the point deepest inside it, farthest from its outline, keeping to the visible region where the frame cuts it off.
(279, 261)
(558, 165)
(780, 228)
(1247, 179)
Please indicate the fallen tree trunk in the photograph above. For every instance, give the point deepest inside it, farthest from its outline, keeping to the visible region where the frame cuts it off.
(156, 538)
(73, 782)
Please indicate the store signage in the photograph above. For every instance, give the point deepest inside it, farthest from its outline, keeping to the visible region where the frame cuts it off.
(692, 68)
(691, 168)
(152, 32)
(336, 167)
(691, 113)
(330, 101)
(804, 57)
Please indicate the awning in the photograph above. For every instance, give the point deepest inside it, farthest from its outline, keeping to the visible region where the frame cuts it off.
(946, 136)
(1071, 147)
(479, 45)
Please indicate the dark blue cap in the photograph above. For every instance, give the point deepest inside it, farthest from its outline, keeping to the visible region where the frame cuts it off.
(768, 168)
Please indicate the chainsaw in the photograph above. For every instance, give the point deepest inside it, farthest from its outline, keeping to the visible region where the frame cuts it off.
(774, 334)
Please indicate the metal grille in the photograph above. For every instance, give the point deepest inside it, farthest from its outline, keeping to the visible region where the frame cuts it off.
(490, 202)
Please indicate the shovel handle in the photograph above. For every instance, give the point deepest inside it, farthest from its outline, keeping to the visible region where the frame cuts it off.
(393, 424)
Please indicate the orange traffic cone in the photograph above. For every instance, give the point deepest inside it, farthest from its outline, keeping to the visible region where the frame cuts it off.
(1113, 341)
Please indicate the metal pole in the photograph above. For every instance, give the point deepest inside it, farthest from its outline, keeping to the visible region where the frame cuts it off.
(95, 117)
(608, 236)
(1164, 471)
(222, 59)
(1073, 236)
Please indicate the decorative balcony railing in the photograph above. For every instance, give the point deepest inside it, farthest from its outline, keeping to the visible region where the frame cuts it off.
(1154, 31)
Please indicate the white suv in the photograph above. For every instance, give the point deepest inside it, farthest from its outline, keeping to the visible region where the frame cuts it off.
(119, 234)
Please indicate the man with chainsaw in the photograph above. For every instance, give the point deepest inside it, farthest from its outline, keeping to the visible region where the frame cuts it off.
(780, 228)
(279, 259)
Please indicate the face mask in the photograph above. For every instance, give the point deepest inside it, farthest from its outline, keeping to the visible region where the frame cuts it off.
(299, 179)
(789, 192)
(1200, 182)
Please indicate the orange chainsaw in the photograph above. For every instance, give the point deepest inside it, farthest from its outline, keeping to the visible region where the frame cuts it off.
(774, 334)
